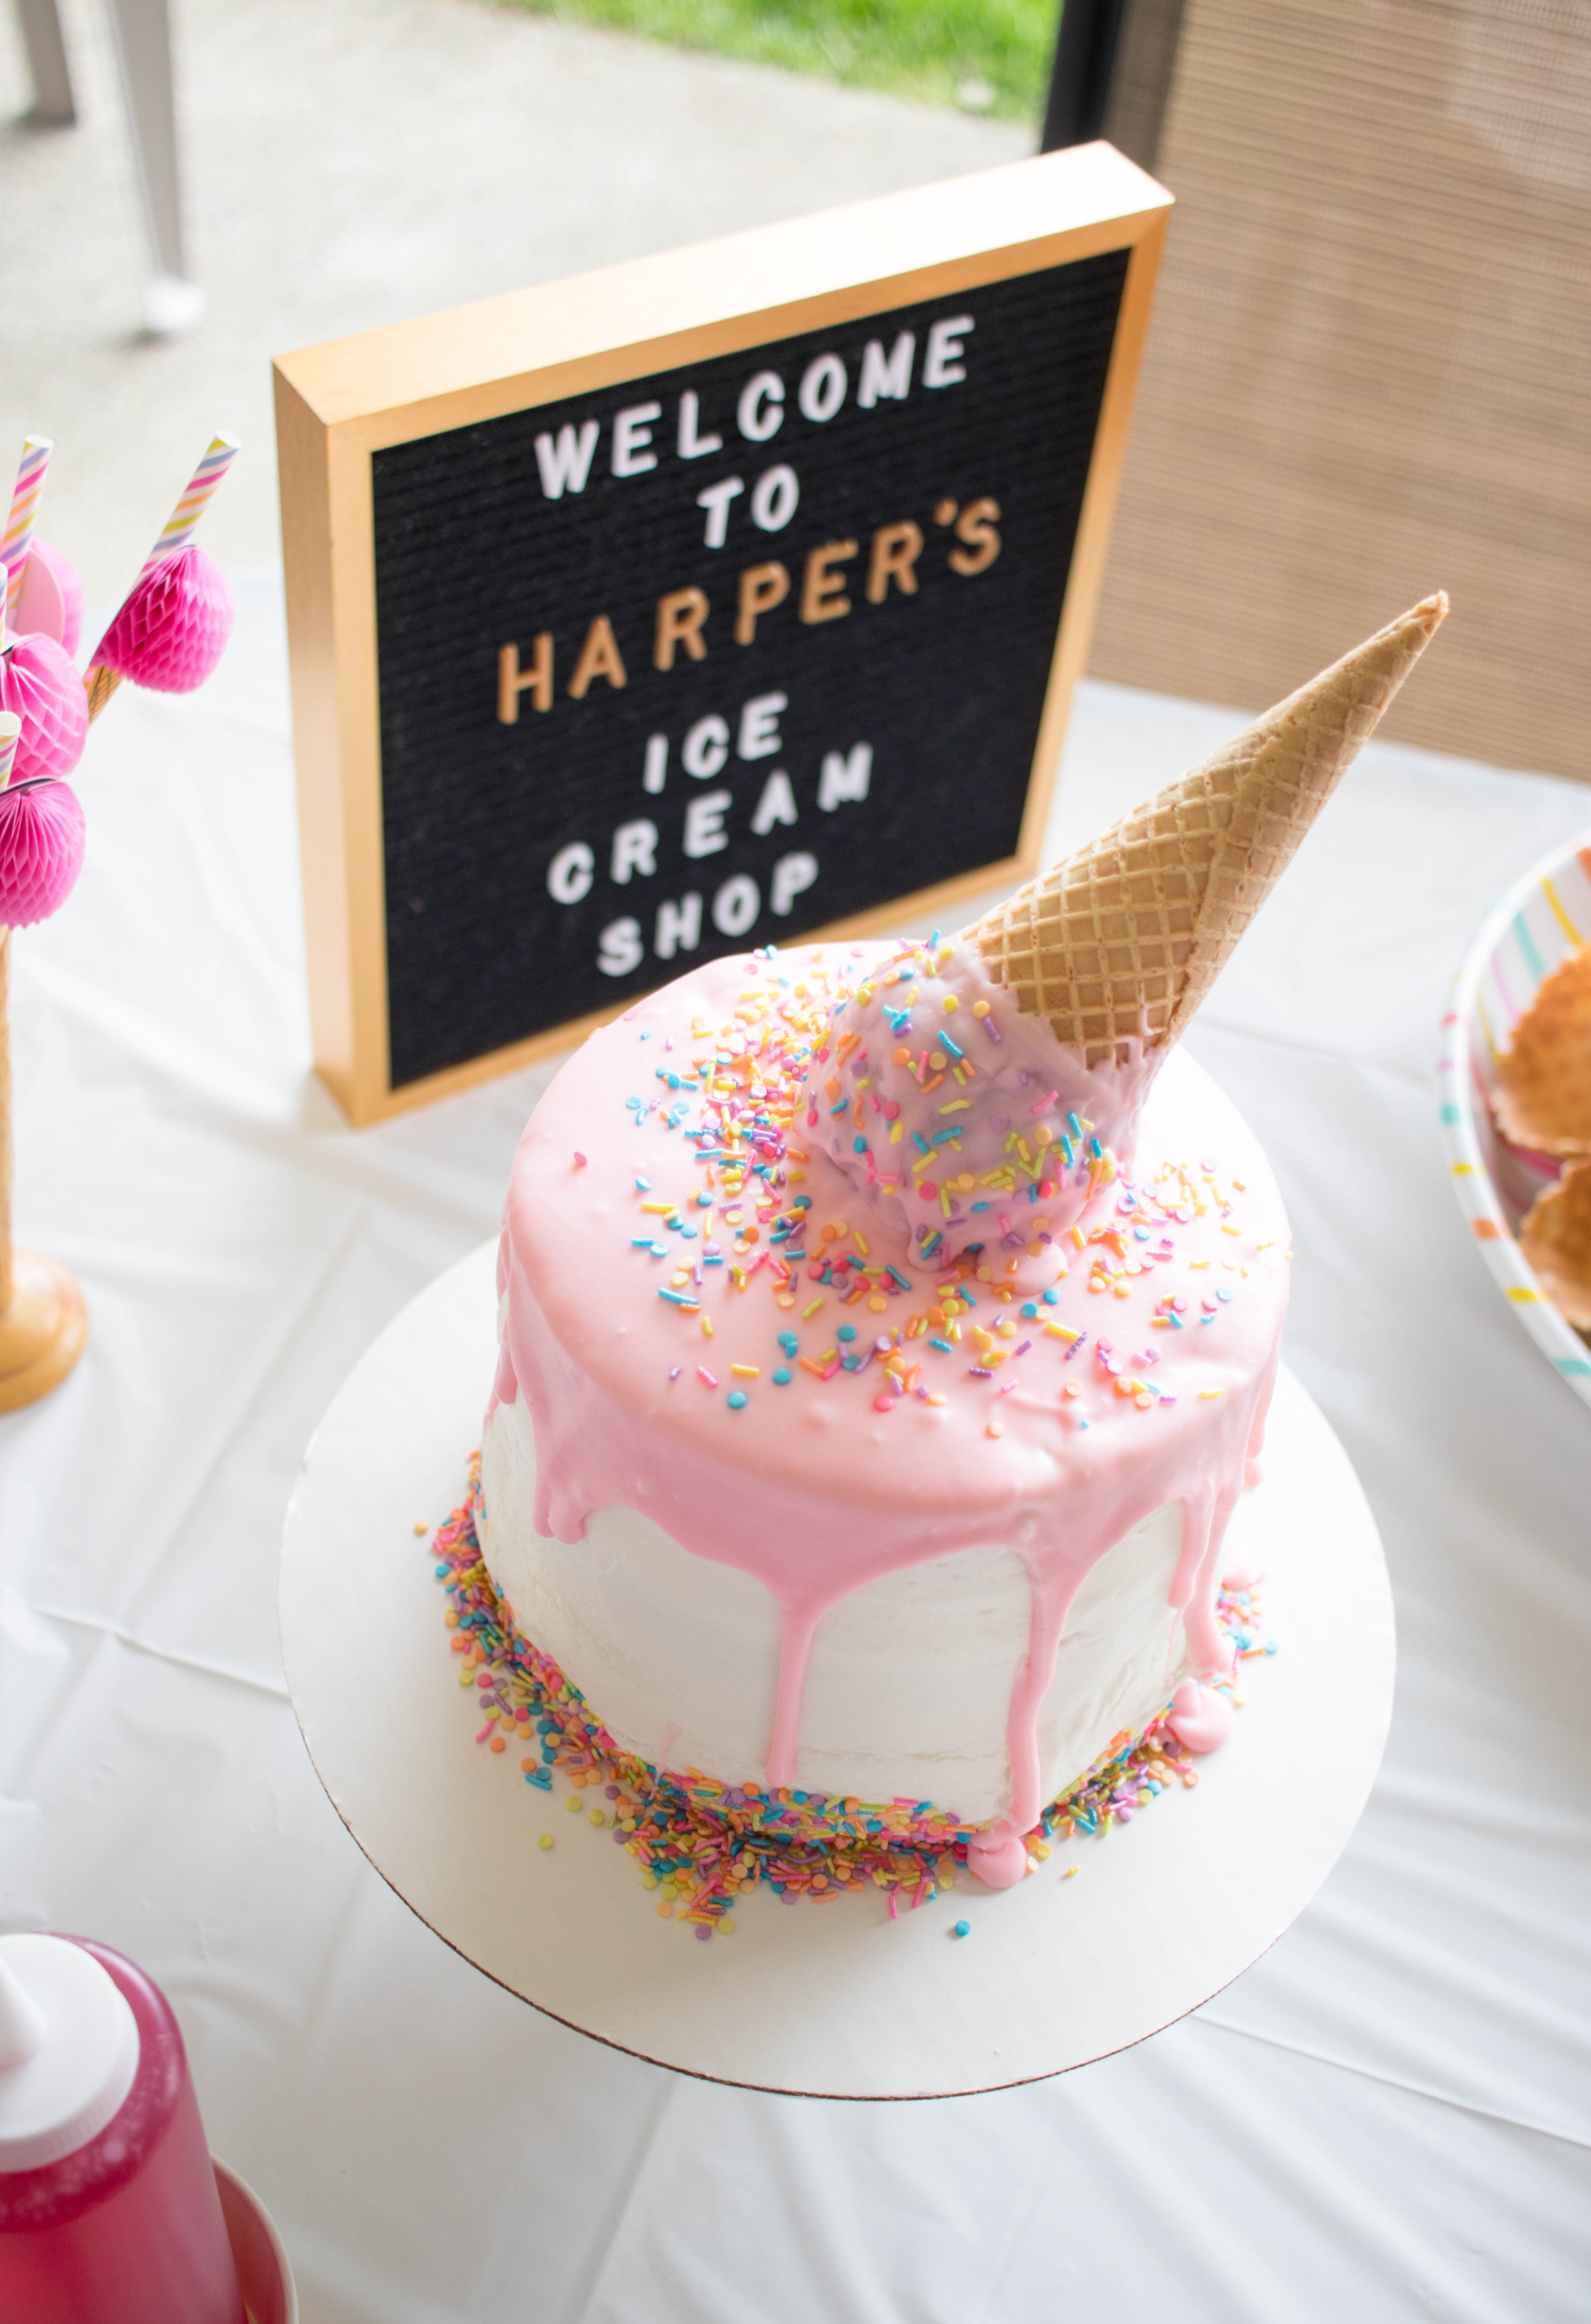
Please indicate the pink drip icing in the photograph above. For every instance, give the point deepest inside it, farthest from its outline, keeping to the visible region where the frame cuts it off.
(504, 1383)
(998, 1855)
(809, 1489)
(797, 1629)
(1199, 1717)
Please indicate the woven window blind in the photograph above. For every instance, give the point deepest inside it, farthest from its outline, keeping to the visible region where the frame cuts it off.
(1367, 375)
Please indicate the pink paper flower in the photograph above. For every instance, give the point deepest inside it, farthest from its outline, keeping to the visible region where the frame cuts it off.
(40, 684)
(41, 849)
(51, 597)
(173, 629)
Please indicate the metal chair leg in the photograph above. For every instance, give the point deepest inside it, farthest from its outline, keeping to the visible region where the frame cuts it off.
(53, 80)
(173, 302)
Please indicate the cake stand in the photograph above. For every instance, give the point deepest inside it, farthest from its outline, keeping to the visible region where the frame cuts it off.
(832, 2000)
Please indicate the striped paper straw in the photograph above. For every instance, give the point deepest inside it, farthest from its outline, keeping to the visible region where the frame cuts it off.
(179, 525)
(100, 683)
(25, 509)
(10, 736)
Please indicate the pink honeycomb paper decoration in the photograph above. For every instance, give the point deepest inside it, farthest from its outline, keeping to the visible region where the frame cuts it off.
(51, 597)
(40, 850)
(40, 684)
(173, 629)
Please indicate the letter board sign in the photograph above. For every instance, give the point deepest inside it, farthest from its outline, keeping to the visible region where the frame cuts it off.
(716, 600)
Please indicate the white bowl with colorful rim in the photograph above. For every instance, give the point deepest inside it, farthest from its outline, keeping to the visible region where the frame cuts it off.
(1543, 919)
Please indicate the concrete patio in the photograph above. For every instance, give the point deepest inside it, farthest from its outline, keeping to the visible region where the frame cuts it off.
(348, 162)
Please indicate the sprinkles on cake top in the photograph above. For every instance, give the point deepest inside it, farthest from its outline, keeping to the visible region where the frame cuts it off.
(742, 1102)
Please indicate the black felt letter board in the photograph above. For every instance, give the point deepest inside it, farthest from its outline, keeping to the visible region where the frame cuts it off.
(872, 737)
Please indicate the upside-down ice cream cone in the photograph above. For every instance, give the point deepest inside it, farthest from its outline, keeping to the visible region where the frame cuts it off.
(1117, 946)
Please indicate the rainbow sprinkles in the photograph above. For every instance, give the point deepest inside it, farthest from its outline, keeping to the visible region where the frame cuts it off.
(703, 1846)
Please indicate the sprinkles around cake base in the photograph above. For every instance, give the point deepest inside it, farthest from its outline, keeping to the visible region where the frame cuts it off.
(701, 1844)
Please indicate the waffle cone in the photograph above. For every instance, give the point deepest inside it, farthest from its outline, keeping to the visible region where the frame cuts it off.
(1543, 1094)
(1555, 1239)
(1119, 943)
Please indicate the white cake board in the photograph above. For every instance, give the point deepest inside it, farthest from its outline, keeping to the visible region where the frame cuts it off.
(832, 2000)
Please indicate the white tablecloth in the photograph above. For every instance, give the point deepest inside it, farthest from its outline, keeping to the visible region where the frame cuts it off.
(1387, 2118)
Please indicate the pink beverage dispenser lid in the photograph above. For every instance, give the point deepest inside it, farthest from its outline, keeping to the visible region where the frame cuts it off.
(69, 2050)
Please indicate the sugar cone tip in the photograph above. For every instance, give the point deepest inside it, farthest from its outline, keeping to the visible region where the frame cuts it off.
(1118, 943)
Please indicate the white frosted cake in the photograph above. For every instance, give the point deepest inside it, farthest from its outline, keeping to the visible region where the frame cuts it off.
(886, 1332)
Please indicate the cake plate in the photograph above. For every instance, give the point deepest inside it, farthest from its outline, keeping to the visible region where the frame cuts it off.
(832, 2000)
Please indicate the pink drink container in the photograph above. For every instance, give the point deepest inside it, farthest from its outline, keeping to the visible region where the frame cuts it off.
(108, 2208)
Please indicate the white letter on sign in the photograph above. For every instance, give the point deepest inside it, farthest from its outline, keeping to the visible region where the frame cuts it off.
(679, 927)
(566, 462)
(882, 377)
(632, 433)
(823, 388)
(775, 496)
(707, 746)
(792, 876)
(571, 873)
(715, 500)
(941, 365)
(704, 824)
(844, 778)
(777, 804)
(759, 413)
(736, 906)
(692, 446)
(635, 849)
(620, 948)
(759, 725)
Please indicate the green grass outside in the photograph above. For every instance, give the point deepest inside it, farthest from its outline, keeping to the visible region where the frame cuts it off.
(987, 56)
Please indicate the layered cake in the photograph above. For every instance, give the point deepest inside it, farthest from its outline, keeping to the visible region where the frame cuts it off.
(886, 1332)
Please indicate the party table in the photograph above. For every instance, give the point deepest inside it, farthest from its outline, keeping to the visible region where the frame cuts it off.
(1387, 2117)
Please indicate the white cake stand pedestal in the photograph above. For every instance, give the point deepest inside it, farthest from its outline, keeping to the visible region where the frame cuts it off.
(837, 2000)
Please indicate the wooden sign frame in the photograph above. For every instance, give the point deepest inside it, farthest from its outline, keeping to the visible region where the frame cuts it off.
(340, 404)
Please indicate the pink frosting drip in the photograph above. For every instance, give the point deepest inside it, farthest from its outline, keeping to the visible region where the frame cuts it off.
(809, 1488)
(173, 629)
(1199, 1717)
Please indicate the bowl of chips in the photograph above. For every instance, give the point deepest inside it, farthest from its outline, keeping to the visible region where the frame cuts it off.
(1516, 1079)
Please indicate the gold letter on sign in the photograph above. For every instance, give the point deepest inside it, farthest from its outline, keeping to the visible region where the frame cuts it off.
(679, 617)
(600, 658)
(821, 599)
(511, 684)
(761, 587)
(896, 548)
(976, 527)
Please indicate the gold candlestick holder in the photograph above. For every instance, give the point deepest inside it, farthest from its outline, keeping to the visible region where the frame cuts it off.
(43, 1317)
